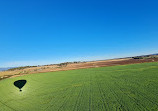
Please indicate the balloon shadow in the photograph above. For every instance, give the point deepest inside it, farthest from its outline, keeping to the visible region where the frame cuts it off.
(20, 83)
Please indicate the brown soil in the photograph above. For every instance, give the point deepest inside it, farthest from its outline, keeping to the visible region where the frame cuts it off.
(72, 66)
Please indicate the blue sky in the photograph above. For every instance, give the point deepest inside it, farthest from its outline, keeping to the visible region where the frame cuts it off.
(36, 32)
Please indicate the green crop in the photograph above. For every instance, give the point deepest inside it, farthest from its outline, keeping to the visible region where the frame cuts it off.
(125, 88)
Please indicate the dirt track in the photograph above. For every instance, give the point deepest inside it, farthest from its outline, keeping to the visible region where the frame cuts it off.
(72, 66)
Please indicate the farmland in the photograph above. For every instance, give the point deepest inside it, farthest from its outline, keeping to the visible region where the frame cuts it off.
(125, 87)
(20, 71)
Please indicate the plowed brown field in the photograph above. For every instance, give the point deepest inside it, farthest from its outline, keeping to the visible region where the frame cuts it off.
(72, 66)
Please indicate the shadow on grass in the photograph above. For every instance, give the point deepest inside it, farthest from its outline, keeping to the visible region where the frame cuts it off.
(20, 83)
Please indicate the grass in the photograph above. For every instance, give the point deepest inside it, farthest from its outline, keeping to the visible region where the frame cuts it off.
(127, 87)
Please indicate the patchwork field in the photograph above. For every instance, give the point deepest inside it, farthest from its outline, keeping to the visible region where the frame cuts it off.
(125, 88)
(20, 71)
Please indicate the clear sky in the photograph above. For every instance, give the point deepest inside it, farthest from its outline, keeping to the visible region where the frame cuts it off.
(36, 32)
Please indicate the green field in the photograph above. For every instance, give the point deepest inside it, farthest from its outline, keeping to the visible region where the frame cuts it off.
(127, 87)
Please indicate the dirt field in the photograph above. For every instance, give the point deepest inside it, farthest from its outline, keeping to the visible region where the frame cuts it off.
(72, 66)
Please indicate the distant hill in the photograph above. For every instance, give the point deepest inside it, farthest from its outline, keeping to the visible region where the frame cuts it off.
(6, 68)
(155, 54)
(149, 56)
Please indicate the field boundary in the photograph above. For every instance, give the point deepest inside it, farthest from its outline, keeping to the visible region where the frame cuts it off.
(74, 66)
